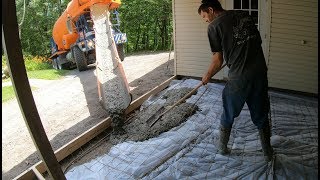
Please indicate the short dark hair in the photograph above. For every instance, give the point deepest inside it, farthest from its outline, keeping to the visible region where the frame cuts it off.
(205, 4)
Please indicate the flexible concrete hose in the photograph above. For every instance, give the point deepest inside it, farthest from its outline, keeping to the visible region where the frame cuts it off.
(113, 85)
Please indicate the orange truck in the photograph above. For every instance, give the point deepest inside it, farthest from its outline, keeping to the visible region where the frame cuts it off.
(73, 35)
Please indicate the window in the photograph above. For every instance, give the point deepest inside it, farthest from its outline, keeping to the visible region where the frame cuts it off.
(248, 5)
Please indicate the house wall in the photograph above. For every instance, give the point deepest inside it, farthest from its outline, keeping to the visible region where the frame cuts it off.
(192, 49)
(293, 46)
(289, 31)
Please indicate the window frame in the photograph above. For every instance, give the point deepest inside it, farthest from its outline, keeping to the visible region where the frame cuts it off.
(249, 9)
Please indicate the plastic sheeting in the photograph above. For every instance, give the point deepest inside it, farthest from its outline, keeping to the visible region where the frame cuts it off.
(189, 151)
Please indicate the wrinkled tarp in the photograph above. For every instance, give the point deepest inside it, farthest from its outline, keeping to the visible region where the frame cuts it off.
(189, 151)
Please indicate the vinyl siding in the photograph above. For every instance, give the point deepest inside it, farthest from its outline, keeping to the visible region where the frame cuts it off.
(284, 26)
(192, 49)
(264, 26)
(293, 65)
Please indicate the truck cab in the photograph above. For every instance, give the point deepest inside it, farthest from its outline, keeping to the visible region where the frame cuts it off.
(82, 52)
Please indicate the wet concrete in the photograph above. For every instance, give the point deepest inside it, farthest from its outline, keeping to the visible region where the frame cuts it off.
(139, 127)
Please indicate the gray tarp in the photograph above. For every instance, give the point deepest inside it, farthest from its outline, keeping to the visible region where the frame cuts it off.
(189, 152)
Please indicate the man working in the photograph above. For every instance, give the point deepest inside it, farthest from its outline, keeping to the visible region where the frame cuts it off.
(234, 37)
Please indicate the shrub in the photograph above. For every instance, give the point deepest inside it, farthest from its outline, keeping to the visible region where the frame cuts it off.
(32, 62)
(36, 63)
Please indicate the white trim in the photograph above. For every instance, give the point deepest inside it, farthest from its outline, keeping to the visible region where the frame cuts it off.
(174, 37)
(268, 31)
(229, 4)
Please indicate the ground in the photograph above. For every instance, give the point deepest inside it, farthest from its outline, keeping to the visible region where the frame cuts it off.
(69, 106)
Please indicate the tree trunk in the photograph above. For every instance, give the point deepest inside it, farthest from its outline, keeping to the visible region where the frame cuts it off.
(143, 40)
(147, 42)
(155, 40)
(162, 34)
(138, 38)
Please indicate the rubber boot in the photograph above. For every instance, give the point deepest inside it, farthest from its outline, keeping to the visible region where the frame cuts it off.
(265, 142)
(223, 140)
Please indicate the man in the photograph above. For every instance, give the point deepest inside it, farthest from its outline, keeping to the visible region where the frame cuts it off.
(234, 37)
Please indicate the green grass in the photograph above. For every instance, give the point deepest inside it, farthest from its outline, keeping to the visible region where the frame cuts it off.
(38, 68)
(50, 74)
(8, 93)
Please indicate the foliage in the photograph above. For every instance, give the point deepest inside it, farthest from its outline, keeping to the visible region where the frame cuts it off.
(33, 63)
(36, 29)
(147, 23)
(39, 68)
(50, 74)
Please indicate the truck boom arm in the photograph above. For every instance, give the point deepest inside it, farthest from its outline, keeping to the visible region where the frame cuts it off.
(61, 35)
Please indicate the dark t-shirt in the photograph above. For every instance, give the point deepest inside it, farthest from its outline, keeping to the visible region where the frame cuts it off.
(235, 34)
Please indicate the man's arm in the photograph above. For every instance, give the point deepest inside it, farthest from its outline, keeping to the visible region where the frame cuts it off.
(217, 60)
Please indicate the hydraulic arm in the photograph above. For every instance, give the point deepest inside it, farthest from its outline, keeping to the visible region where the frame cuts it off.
(113, 87)
(64, 30)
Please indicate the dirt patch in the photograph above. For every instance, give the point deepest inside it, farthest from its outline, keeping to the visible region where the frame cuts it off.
(69, 107)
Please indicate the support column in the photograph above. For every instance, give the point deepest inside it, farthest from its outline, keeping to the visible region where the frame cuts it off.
(12, 48)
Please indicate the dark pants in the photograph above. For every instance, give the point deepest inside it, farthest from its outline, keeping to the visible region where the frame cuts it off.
(254, 92)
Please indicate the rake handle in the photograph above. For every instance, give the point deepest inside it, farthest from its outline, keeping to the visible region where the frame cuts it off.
(184, 98)
(178, 102)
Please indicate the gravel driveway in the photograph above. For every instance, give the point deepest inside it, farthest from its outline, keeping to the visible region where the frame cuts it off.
(69, 106)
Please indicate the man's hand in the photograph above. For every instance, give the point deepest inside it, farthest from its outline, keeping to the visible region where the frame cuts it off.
(206, 78)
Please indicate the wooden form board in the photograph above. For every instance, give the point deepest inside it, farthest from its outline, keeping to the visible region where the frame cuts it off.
(85, 137)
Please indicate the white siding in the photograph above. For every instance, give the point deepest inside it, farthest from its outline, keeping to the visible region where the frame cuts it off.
(264, 26)
(289, 31)
(292, 63)
(192, 50)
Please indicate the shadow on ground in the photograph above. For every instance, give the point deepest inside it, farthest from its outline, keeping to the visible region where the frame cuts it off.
(97, 113)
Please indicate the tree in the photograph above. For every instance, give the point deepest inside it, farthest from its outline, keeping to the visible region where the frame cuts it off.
(148, 24)
(36, 29)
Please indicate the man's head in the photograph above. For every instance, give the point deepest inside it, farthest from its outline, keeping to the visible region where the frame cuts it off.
(208, 9)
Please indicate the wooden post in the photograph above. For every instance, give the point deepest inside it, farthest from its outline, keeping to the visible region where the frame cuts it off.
(12, 48)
